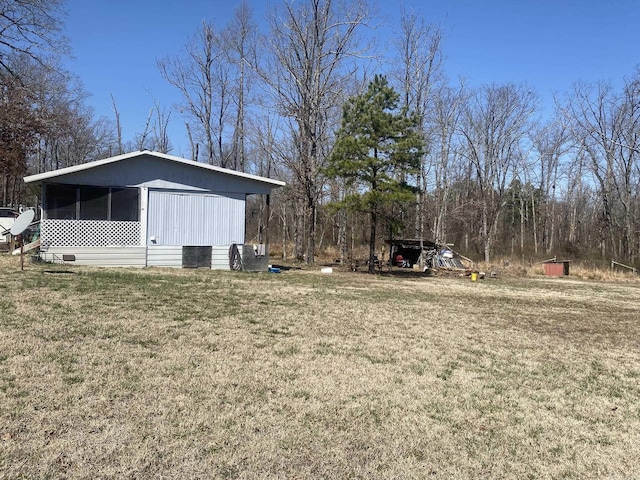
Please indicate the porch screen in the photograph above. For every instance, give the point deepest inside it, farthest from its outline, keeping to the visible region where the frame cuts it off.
(61, 202)
(85, 202)
(94, 203)
(124, 204)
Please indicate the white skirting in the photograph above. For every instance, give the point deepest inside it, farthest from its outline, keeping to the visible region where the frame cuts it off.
(151, 256)
(98, 256)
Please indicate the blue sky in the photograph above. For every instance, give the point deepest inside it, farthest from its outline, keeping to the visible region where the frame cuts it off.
(548, 44)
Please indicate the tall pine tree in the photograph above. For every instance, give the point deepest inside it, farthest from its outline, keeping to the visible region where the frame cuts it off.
(377, 148)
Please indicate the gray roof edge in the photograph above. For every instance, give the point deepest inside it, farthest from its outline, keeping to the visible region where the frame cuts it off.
(105, 161)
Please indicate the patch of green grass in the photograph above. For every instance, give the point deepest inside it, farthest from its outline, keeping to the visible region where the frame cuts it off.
(377, 359)
(7, 381)
(447, 372)
(302, 394)
(73, 378)
(288, 351)
(325, 348)
(282, 330)
(418, 368)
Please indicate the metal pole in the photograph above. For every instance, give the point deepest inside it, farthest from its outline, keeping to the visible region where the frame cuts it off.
(21, 252)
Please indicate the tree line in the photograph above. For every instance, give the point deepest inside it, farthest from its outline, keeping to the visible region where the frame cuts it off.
(277, 98)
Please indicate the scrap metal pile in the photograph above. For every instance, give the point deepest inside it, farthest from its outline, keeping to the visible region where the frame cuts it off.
(425, 255)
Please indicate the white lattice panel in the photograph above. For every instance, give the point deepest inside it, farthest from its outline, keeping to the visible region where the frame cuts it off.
(89, 233)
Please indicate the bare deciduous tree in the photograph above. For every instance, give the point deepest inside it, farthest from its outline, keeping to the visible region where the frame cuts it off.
(549, 143)
(419, 49)
(201, 76)
(161, 142)
(606, 125)
(32, 28)
(447, 110)
(19, 126)
(495, 121)
(44, 123)
(309, 45)
(120, 150)
(240, 39)
(142, 139)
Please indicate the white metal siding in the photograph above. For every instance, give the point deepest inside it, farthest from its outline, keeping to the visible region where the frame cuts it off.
(220, 258)
(194, 219)
(164, 256)
(98, 256)
(156, 256)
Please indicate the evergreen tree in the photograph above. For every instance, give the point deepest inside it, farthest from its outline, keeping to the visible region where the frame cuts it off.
(377, 148)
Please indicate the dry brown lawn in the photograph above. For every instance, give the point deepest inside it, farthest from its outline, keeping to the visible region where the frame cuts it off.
(158, 373)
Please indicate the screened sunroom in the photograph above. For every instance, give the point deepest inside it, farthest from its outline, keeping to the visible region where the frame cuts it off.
(86, 215)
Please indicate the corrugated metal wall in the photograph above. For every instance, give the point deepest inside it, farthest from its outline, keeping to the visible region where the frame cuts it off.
(194, 219)
(98, 256)
(156, 256)
(164, 256)
(220, 258)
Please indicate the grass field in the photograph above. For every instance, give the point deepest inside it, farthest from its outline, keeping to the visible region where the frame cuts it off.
(108, 373)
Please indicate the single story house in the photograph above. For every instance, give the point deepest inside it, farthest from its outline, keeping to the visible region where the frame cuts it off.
(147, 209)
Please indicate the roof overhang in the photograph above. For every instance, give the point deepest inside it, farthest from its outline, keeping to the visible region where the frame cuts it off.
(34, 181)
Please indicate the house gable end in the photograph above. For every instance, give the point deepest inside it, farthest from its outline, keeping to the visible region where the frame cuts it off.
(154, 172)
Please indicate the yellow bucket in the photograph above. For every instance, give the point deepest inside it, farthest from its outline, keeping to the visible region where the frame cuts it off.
(474, 276)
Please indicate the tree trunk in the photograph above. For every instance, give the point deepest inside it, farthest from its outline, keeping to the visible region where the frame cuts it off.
(311, 232)
(298, 234)
(513, 221)
(372, 242)
(342, 237)
(284, 231)
(523, 218)
(535, 223)
(485, 233)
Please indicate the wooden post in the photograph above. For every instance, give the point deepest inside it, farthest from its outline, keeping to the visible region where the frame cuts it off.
(613, 263)
(21, 252)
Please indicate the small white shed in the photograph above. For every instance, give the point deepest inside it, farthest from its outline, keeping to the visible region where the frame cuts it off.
(145, 209)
